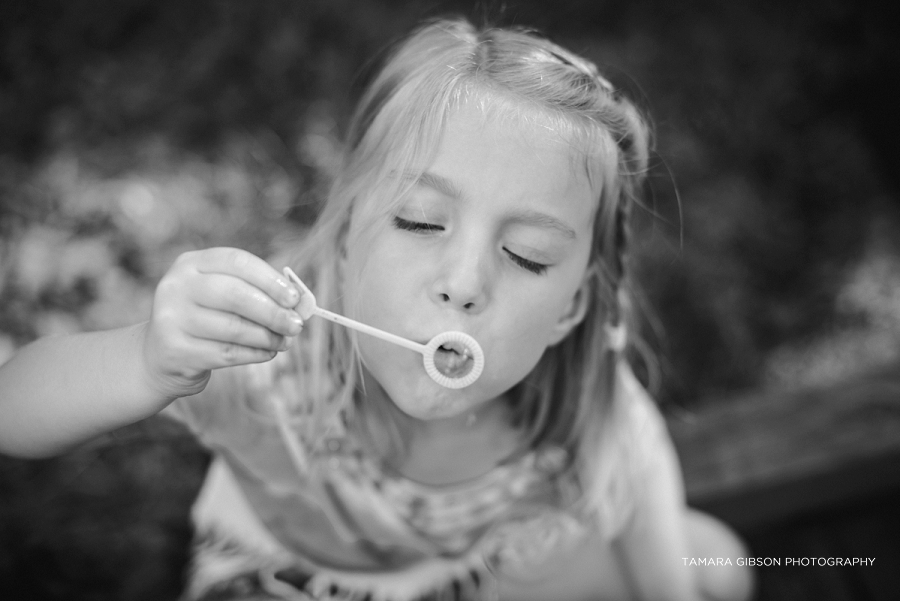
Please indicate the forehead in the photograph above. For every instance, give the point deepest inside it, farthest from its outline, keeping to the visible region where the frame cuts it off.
(497, 115)
(503, 151)
(458, 140)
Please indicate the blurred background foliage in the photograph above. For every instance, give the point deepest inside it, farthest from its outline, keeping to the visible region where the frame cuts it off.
(133, 130)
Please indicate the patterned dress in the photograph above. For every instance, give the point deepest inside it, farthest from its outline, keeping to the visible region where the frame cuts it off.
(286, 514)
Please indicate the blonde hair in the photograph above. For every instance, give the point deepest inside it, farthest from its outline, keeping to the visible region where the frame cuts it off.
(569, 398)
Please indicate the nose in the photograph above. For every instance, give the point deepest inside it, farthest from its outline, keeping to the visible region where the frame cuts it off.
(462, 280)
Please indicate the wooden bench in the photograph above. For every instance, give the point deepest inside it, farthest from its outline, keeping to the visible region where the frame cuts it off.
(765, 458)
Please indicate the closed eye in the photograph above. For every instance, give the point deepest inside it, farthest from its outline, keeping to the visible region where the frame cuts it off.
(418, 227)
(533, 267)
(421, 227)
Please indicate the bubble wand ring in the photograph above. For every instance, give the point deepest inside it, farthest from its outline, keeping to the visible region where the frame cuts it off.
(459, 342)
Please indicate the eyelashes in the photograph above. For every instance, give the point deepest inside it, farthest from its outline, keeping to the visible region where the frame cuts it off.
(419, 227)
(533, 267)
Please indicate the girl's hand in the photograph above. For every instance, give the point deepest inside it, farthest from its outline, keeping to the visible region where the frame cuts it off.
(214, 308)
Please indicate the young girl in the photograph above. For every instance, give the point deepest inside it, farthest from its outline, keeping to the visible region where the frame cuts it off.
(486, 189)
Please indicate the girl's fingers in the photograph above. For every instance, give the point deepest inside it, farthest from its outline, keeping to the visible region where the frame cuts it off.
(219, 326)
(251, 269)
(233, 295)
(228, 354)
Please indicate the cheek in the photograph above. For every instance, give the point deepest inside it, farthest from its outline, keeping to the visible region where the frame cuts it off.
(526, 332)
(542, 307)
(378, 286)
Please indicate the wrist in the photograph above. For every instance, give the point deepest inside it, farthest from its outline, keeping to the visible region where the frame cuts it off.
(160, 384)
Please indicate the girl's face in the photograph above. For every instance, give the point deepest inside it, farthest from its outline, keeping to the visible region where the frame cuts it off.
(493, 240)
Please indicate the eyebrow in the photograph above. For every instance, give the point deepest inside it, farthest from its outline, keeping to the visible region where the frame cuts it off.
(527, 217)
(441, 184)
(538, 219)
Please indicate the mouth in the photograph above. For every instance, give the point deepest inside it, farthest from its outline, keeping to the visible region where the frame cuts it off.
(454, 359)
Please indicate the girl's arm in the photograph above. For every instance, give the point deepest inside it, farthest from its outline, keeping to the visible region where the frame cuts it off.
(655, 545)
(62, 390)
(214, 308)
(658, 546)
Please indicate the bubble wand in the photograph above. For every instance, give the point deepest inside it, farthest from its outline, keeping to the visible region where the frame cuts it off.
(457, 372)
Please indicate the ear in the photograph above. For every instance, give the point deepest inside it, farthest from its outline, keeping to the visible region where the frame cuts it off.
(574, 313)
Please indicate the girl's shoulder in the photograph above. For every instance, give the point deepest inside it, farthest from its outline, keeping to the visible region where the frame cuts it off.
(639, 439)
(641, 413)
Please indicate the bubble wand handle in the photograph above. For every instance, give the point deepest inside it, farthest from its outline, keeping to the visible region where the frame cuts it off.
(367, 329)
(468, 347)
(307, 307)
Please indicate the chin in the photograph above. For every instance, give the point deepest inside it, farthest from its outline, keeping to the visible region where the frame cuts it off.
(403, 381)
(433, 401)
(429, 411)
(423, 399)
